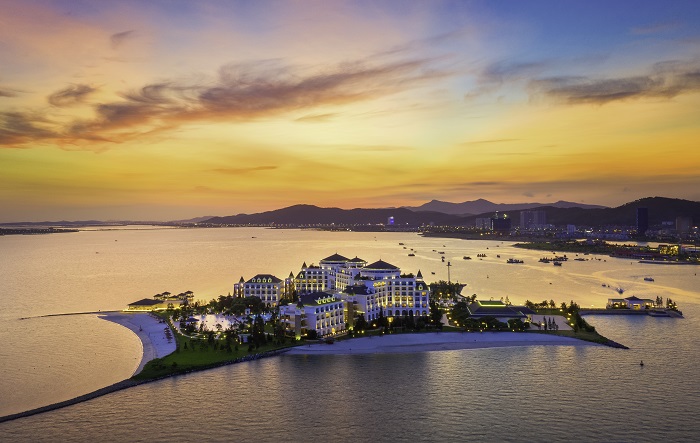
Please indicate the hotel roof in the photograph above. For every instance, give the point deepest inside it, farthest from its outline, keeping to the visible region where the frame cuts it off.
(357, 260)
(264, 278)
(497, 309)
(336, 257)
(146, 302)
(317, 298)
(381, 264)
(358, 290)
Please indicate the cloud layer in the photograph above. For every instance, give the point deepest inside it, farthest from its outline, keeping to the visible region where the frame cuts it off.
(241, 92)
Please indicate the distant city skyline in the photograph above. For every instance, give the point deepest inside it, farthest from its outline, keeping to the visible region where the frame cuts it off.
(164, 110)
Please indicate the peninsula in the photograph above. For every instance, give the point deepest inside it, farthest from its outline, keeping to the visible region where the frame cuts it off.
(340, 306)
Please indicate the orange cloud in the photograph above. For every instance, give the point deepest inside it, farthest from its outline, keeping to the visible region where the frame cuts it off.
(242, 92)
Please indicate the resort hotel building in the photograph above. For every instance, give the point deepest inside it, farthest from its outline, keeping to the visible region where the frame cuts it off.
(266, 287)
(337, 291)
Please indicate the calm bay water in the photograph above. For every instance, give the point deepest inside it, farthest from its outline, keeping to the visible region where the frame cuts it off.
(506, 394)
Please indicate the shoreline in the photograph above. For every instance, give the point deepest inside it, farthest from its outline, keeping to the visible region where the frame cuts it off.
(388, 344)
(150, 331)
(438, 341)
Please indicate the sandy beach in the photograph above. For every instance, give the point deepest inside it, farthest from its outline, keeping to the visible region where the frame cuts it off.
(439, 341)
(151, 332)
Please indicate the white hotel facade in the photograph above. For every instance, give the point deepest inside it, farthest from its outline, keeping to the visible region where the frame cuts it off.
(347, 287)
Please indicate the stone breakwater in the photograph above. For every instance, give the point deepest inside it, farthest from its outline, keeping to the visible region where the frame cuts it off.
(130, 383)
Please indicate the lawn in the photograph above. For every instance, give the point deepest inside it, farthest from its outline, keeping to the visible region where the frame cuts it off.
(197, 354)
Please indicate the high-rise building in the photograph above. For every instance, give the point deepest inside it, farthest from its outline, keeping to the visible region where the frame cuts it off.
(532, 219)
(642, 220)
(683, 225)
(500, 223)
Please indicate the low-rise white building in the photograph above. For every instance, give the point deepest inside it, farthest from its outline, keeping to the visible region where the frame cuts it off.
(631, 302)
(150, 304)
(266, 287)
(319, 311)
(311, 279)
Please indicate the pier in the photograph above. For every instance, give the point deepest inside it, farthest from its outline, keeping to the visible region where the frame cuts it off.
(650, 312)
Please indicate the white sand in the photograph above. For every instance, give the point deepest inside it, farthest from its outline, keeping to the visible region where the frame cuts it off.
(437, 341)
(149, 330)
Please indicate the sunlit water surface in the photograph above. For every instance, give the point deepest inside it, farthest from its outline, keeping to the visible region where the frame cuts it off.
(506, 394)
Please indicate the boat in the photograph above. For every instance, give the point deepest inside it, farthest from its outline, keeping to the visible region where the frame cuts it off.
(648, 279)
(433, 273)
(557, 263)
(441, 252)
(411, 254)
(400, 244)
(443, 259)
(466, 257)
(514, 260)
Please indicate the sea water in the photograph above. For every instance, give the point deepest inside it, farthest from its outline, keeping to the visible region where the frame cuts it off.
(505, 394)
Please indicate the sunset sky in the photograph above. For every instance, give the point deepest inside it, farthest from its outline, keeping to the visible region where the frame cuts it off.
(163, 110)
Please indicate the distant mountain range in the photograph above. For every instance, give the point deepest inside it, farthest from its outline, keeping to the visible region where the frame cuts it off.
(310, 215)
(561, 213)
(482, 206)
(660, 209)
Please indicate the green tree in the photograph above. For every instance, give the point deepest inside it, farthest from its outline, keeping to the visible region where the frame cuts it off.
(517, 324)
(444, 290)
(361, 323)
(459, 313)
(435, 314)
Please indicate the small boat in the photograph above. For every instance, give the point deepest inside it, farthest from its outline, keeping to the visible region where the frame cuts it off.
(648, 279)
(514, 260)
(443, 259)
(433, 273)
(466, 257)
(400, 244)
(411, 254)
(557, 263)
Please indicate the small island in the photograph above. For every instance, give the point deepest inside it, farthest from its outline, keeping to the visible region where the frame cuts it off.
(337, 306)
(663, 254)
(340, 306)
